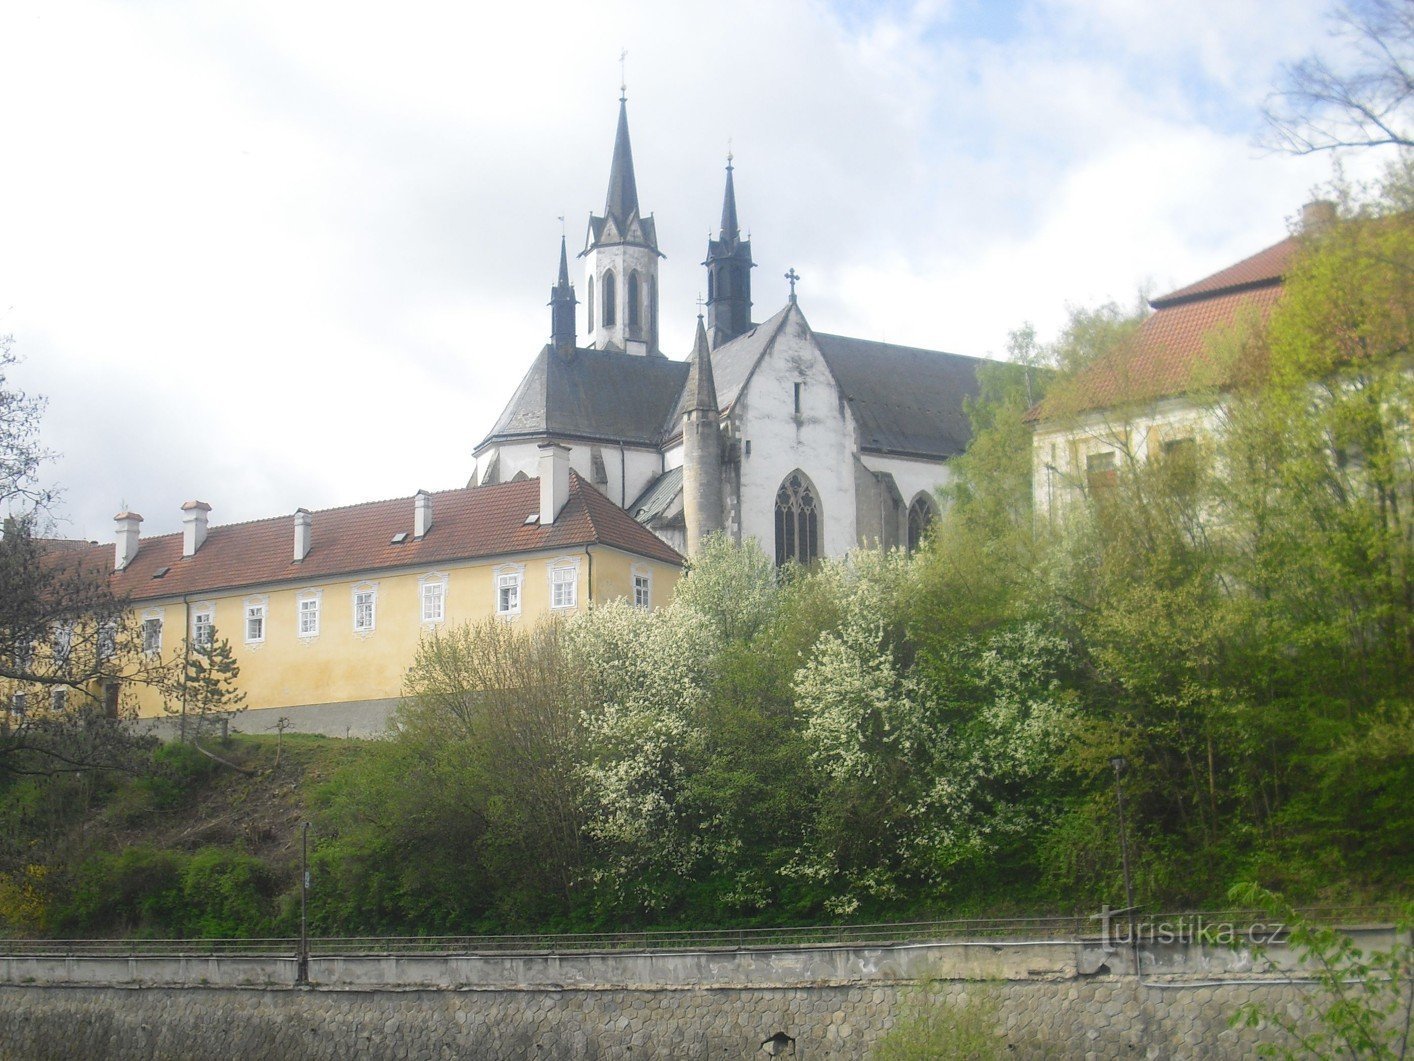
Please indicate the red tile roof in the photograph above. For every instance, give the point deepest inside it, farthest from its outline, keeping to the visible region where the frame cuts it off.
(1164, 357)
(467, 524)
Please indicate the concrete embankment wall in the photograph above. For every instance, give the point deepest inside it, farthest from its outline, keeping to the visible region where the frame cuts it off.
(1044, 999)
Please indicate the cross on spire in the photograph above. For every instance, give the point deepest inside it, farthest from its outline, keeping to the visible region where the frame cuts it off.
(792, 276)
(700, 304)
(623, 77)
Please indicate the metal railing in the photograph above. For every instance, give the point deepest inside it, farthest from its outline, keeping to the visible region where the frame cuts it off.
(1068, 929)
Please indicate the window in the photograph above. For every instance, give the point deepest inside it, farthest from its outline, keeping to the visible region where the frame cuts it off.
(24, 654)
(107, 639)
(589, 302)
(110, 699)
(152, 634)
(1100, 472)
(63, 643)
(798, 387)
(365, 608)
(642, 590)
(59, 699)
(608, 298)
(1179, 447)
(309, 614)
(797, 521)
(255, 621)
(508, 580)
(433, 590)
(19, 703)
(203, 626)
(920, 516)
(564, 583)
(635, 315)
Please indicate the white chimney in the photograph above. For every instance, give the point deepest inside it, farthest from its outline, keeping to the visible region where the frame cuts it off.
(554, 481)
(421, 514)
(127, 525)
(1317, 215)
(304, 530)
(194, 515)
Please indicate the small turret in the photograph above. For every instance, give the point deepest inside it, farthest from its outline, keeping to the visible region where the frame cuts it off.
(729, 268)
(562, 303)
(701, 448)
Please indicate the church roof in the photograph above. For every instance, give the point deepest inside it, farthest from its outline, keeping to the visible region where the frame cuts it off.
(657, 496)
(592, 394)
(906, 400)
(621, 202)
(467, 524)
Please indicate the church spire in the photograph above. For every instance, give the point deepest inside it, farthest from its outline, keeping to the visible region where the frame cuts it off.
(701, 387)
(729, 268)
(562, 303)
(730, 230)
(622, 200)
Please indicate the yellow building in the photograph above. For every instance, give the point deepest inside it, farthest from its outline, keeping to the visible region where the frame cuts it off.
(324, 610)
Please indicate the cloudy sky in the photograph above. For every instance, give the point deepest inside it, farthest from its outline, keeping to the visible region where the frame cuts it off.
(282, 254)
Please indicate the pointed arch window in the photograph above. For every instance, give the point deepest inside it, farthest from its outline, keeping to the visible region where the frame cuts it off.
(921, 515)
(797, 520)
(608, 298)
(590, 304)
(635, 312)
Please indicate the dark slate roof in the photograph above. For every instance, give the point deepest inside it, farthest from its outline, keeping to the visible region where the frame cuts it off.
(905, 400)
(593, 394)
(657, 496)
(622, 200)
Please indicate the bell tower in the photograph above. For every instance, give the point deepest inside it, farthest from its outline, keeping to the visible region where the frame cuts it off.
(621, 262)
(729, 268)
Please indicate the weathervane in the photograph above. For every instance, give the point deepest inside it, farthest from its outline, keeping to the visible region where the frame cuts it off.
(623, 77)
(729, 152)
(792, 276)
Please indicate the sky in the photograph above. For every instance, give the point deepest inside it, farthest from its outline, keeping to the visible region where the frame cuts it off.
(274, 254)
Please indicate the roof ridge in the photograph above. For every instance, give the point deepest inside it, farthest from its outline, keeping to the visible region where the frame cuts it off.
(904, 346)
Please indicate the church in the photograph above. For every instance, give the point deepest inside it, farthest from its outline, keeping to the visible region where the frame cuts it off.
(812, 444)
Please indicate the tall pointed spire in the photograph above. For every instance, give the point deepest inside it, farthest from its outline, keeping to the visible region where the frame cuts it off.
(701, 387)
(622, 200)
(729, 268)
(730, 231)
(562, 303)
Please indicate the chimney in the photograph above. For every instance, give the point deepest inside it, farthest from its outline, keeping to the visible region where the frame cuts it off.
(127, 524)
(1317, 216)
(421, 514)
(554, 481)
(194, 515)
(304, 529)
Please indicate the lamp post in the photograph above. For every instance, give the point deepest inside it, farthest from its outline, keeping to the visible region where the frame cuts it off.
(1120, 766)
(302, 970)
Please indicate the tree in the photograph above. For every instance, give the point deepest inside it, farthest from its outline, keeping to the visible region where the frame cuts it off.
(1364, 100)
(206, 693)
(67, 645)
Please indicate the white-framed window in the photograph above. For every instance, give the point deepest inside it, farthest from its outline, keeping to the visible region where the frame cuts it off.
(365, 607)
(564, 582)
(307, 613)
(432, 597)
(107, 639)
(508, 579)
(642, 586)
(255, 613)
(203, 625)
(152, 633)
(63, 642)
(59, 698)
(19, 703)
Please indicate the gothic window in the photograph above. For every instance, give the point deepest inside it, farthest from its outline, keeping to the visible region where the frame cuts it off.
(590, 302)
(711, 284)
(653, 312)
(920, 516)
(634, 312)
(797, 520)
(609, 295)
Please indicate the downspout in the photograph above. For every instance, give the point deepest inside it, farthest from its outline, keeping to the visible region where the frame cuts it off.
(588, 574)
(186, 659)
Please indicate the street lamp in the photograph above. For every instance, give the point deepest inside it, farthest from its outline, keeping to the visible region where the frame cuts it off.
(1120, 766)
(302, 969)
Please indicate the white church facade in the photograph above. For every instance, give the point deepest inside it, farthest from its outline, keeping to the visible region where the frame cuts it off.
(810, 443)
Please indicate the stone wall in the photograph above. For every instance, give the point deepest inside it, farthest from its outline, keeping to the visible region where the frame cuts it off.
(1045, 999)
